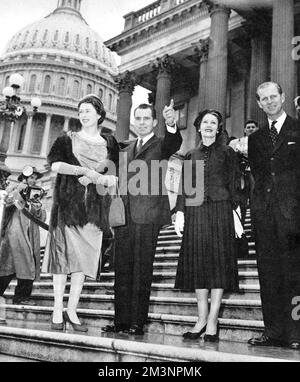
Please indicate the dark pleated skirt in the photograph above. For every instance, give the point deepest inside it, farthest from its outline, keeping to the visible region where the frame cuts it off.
(208, 253)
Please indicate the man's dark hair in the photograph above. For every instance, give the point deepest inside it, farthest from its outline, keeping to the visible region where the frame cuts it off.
(146, 106)
(251, 121)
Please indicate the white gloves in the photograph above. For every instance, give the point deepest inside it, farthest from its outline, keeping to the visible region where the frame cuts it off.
(238, 226)
(179, 223)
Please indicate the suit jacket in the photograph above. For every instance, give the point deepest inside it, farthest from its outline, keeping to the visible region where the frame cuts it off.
(276, 170)
(152, 205)
(221, 176)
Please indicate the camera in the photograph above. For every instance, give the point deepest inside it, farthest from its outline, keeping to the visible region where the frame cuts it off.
(32, 194)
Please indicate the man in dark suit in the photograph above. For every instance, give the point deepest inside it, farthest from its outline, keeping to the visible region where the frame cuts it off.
(274, 156)
(146, 213)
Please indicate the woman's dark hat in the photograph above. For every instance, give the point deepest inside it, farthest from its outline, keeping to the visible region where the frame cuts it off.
(28, 171)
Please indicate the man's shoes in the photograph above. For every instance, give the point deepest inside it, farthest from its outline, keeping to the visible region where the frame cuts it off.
(136, 330)
(116, 328)
(295, 345)
(265, 341)
(24, 301)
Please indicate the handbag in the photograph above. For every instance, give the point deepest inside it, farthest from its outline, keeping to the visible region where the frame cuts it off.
(241, 241)
(116, 216)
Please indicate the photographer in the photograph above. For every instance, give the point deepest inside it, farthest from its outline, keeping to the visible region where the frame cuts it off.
(20, 236)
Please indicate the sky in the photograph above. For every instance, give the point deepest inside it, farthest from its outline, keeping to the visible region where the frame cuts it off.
(104, 16)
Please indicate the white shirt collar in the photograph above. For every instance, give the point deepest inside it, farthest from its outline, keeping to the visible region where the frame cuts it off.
(279, 123)
(146, 138)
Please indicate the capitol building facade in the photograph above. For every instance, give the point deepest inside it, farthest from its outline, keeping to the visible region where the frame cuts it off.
(61, 59)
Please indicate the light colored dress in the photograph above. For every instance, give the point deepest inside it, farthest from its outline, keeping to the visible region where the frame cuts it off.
(78, 248)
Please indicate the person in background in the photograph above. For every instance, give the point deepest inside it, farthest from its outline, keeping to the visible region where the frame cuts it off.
(207, 260)
(20, 239)
(240, 145)
(80, 209)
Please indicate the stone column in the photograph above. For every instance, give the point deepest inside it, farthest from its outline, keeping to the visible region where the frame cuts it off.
(164, 67)
(260, 60)
(125, 83)
(66, 124)
(201, 49)
(27, 140)
(282, 63)
(216, 85)
(44, 149)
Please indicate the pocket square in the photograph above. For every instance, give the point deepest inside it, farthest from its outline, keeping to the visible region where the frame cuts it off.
(291, 143)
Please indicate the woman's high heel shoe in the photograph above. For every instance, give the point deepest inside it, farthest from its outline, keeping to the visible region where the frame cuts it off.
(194, 335)
(76, 327)
(57, 325)
(212, 337)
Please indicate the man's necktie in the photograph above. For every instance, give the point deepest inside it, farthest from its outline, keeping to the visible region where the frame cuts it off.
(273, 133)
(139, 146)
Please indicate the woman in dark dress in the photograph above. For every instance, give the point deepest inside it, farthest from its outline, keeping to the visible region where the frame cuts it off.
(79, 215)
(207, 259)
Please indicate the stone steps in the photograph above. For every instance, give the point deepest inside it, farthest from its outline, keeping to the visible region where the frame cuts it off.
(43, 345)
(171, 313)
(230, 308)
(158, 289)
(170, 324)
(246, 277)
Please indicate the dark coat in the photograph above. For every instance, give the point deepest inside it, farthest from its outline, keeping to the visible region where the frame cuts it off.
(148, 208)
(20, 243)
(276, 170)
(71, 205)
(220, 177)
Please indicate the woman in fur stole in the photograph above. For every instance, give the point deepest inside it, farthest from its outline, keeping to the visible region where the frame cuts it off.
(85, 163)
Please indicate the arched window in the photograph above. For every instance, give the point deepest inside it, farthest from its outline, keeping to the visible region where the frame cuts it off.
(87, 43)
(67, 37)
(21, 137)
(77, 39)
(89, 89)
(32, 83)
(45, 37)
(75, 92)
(25, 36)
(6, 81)
(37, 133)
(47, 82)
(61, 86)
(110, 101)
(96, 49)
(56, 35)
(100, 93)
(34, 35)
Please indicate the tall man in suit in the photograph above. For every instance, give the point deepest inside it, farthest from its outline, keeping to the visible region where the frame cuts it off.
(146, 213)
(274, 156)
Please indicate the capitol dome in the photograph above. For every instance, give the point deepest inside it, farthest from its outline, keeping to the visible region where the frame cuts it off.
(63, 30)
(61, 60)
